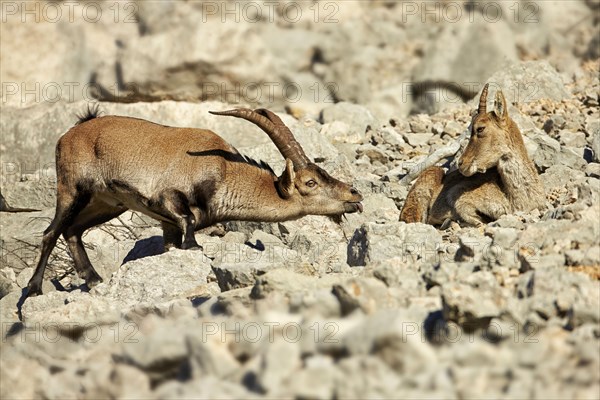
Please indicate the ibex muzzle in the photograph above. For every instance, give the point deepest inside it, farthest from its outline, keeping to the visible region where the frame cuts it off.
(187, 179)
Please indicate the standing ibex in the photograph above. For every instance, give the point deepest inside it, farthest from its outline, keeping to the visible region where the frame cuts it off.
(187, 179)
(497, 175)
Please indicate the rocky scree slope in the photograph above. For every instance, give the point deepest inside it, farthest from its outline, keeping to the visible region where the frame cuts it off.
(311, 309)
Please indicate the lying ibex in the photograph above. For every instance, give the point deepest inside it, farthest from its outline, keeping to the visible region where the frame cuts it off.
(497, 175)
(187, 179)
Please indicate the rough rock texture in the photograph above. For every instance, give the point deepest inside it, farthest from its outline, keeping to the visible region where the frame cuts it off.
(372, 297)
(366, 308)
(377, 242)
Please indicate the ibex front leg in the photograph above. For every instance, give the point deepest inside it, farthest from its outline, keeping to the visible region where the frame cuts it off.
(177, 208)
(172, 236)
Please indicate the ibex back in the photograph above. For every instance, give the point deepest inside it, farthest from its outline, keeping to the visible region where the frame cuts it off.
(187, 179)
(495, 175)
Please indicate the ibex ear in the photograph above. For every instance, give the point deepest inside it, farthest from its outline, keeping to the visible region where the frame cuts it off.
(500, 106)
(285, 183)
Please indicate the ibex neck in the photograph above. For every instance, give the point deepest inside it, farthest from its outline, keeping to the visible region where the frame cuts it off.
(520, 181)
(251, 195)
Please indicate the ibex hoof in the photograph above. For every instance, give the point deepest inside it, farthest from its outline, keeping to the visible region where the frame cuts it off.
(171, 247)
(446, 224)
(191, 246)
(33, 291)
(93, 280)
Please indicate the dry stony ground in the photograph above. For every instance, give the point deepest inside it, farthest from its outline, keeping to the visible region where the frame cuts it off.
(309, 309)
(370, 308)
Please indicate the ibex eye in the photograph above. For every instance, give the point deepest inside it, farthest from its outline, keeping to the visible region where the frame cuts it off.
(311, 183)
(480, 129)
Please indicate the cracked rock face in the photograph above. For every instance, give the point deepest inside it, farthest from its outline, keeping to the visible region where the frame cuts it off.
(368, 307)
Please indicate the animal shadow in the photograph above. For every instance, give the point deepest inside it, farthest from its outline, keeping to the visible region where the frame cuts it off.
(151, 246)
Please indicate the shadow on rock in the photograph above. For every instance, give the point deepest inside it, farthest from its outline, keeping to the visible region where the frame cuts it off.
(144, 248)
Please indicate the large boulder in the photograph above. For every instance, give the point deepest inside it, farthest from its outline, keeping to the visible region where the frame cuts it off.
(378, 242)
(528, 81)
(464, 52)
(159, 278)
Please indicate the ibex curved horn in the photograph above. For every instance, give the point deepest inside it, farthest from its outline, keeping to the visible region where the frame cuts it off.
(273, 126)
(483, 100)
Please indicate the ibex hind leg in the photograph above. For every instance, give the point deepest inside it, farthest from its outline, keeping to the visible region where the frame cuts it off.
(494, 209)
(467, 213)
(95, 213)
(176, 206)
(482, 205)
(68, 205)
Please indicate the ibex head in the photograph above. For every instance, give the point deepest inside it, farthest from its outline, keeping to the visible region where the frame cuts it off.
(303, 181)
(492, 136)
